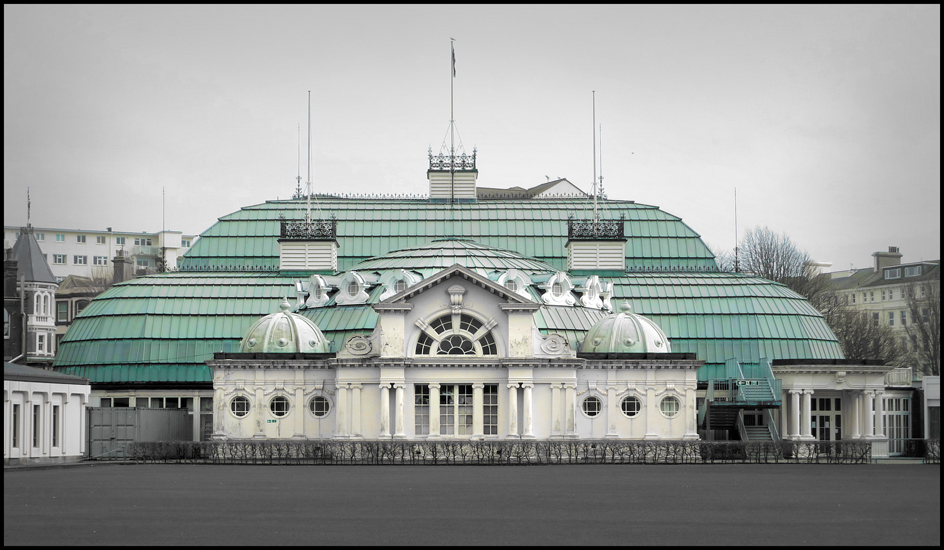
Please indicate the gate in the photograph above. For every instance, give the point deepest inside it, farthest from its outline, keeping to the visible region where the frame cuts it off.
(111, 429)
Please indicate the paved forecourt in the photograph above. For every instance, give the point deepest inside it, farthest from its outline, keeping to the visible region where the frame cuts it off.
(446, 505)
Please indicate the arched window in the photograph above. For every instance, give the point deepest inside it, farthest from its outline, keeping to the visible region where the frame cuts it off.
(511, 285)
(399, 286)
(470, 339)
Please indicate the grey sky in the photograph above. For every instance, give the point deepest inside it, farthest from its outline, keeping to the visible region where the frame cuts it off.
(825, 118)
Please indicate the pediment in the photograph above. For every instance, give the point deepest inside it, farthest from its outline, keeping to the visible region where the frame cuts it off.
(457, 272)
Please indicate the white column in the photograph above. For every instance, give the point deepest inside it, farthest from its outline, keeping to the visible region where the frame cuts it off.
(854, 416)
(299, 412)
(879, 413)
(691, 414)
(434, 411)
(784, 414)
(612, 410)
(219, 414)
(355, 410)
(528, 415)
(385, 410)
(556, 410)
(512, 411)
(794, 414)
(869, 415)
(399, 433)
(341, 430)
(260, 412)
(478, 411)
(805, 418)
(652, 412)
(570, 425)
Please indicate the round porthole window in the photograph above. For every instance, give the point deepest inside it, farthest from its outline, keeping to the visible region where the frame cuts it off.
(591, 406)
(630, 406)
(670, 406)
(279, 406)
(239, 406)
(319, 406)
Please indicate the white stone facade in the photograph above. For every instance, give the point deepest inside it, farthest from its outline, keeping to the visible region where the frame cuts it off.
(455, 356)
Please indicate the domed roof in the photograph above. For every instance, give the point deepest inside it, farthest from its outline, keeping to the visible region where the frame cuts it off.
(283, 332)
(441, 254)
(625, 332)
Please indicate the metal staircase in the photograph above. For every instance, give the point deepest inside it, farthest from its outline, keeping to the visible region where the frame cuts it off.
(727, 398)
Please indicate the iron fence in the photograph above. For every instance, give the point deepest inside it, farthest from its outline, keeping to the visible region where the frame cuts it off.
(490, 452)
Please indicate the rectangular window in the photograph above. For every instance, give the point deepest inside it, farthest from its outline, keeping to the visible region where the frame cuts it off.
(100, 239)
(141, 241)
(142, 263)
(883, 295)
(62, 311)
(490, 409)
(875, 319)
(41, 343)
(891, 294)
(924, 316)
(60, 238)
(55, 425)
(80, 260)
(904, 318)
(421, 408)
(891, 318)
(100, 260)
(35, 425)
(893, 273)
(172, 403)
(871, 296)
(120, 240)
(16, 426)
(853, 297)
(185, 243)
(106, 402)
(40, 236)
(80, 239)
(913, 271)
(59, 259)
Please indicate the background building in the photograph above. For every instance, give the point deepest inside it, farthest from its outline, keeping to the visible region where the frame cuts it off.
(88, 253)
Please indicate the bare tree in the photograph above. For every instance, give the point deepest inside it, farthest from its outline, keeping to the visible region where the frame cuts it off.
(724, 258)
(924, 330)
(775, 257)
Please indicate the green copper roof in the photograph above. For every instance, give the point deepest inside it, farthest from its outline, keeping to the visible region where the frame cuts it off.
(373, 227)
(441, 254)
(162, 328)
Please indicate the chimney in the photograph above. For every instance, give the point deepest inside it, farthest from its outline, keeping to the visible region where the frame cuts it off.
(887, 259)
(120, 268)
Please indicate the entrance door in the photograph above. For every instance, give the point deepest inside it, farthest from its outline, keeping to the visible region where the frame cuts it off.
(826, 418)
(897, 424)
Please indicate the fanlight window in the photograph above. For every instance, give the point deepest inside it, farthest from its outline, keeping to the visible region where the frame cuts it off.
(439, 338)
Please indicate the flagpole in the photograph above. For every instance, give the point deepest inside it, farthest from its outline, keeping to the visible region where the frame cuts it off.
(452, 149)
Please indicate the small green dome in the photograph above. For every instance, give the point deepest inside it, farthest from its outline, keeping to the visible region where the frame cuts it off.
(284, 332)
(625, 332)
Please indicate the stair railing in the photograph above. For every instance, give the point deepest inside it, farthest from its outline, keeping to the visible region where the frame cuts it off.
(774, 431)
(742, 431)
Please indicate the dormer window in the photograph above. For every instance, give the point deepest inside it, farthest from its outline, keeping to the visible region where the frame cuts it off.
(913, 271)
(511, 285)
(893, 273)
(471, 337)
(399, 286)
(557, 289)
(353, 288)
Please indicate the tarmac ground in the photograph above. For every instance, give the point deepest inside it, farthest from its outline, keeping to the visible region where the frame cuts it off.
(129, 504)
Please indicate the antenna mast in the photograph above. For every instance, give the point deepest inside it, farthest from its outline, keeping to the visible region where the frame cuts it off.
(298, 178)
(308, 182)
(594, 156)
(452, 122)
(601, 158)
(27, 210)
(737, 268)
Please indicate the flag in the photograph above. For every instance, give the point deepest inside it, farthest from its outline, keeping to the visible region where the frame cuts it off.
(453, 62)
